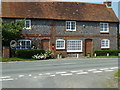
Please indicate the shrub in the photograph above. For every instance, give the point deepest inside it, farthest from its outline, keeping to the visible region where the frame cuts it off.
(46, 55)
(104, 52)
(29, 53)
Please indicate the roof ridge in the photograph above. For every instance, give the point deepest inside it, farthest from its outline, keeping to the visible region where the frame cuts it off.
(75, 2)
(60, 2)
(78, 2)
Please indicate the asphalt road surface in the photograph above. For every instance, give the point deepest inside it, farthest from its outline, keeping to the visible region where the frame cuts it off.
(62, 73)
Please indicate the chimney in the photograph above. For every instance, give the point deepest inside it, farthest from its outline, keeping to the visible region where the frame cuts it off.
(108, 3)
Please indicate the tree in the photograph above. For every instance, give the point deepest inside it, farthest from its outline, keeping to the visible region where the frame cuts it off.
(12, 31)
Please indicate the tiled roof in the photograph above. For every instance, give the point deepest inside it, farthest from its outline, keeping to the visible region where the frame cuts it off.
(59, 10)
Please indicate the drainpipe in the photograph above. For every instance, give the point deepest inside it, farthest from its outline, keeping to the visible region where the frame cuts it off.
(118, 26)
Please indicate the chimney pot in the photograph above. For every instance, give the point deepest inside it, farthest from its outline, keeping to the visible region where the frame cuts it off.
(108, 3)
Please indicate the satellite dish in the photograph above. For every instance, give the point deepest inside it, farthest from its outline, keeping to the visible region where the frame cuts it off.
(13, 44)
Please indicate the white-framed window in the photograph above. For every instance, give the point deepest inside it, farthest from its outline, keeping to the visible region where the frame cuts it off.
(24, 44)
(74, 45)
(104, 27)
(60, 44)
(105, 43)
(70, 25)
(27, 23)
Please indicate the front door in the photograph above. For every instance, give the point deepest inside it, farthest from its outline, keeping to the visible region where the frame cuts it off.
(88, 47)
(45, 44)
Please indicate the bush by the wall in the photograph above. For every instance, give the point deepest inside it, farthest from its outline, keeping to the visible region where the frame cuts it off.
(104, 52)
(46, 55)
(29, 53)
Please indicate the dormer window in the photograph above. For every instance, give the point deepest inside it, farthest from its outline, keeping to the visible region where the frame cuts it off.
(70, 25)
(104, 27)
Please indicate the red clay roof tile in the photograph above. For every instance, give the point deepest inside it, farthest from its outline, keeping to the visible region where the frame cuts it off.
(59, 10)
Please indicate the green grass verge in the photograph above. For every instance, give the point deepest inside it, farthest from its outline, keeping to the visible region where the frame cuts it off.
(22, 59)
(15, 59)
(117, 74)
(105, 57)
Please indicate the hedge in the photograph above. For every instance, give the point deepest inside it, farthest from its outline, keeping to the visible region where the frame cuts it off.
(104, 52)
(28, 53)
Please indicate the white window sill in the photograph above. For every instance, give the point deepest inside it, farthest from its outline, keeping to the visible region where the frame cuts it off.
(71, 30)
(105, 47)
(104, 31)
(74, 50)
(60, 48)
(27, 28)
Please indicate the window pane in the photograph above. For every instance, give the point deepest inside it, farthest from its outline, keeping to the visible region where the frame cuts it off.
(74, 45)
(72, 25)
(101, 25)
(27, 24)
(60, 44)
(104, 27)
(24, 44)
(68, 25)
(105, 43)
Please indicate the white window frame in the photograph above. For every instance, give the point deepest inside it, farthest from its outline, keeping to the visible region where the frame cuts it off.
(29, 24)
(25, 44)
(105, 43)
(25, 23)
(63, 44)
(103, 29)
(70, 26)
(74, 50)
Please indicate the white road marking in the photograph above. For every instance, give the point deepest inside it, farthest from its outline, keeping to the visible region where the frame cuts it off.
(97, 71)
(34, 77)
(21, 75)
(30, 75)
(40, 74)
(104, 68)
(66, 74)
(9, 79)
(5, 77)
(60, 72)
(92, 70)
(83, 73)
(52, 75)
(114, 68)
(47, 73)
(77, 71)
(108, 70)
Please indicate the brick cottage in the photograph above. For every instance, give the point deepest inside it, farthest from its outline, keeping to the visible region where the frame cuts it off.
(73, 28)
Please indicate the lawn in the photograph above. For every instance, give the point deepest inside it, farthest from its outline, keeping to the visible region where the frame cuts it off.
(15, 59)
(117, 74)
(23, 59)
(105, 57)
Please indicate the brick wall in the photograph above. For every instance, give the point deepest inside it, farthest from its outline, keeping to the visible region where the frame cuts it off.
(56, 30)
(6, 52)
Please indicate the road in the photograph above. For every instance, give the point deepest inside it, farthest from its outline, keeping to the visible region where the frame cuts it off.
(64, 73)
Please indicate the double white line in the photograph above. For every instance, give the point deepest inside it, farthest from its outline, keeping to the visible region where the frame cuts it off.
(6, 78)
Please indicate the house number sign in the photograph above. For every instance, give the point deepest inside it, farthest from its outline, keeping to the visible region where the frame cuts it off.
(13, 44)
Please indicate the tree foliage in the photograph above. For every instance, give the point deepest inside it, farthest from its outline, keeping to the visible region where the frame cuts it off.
(12, 31)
